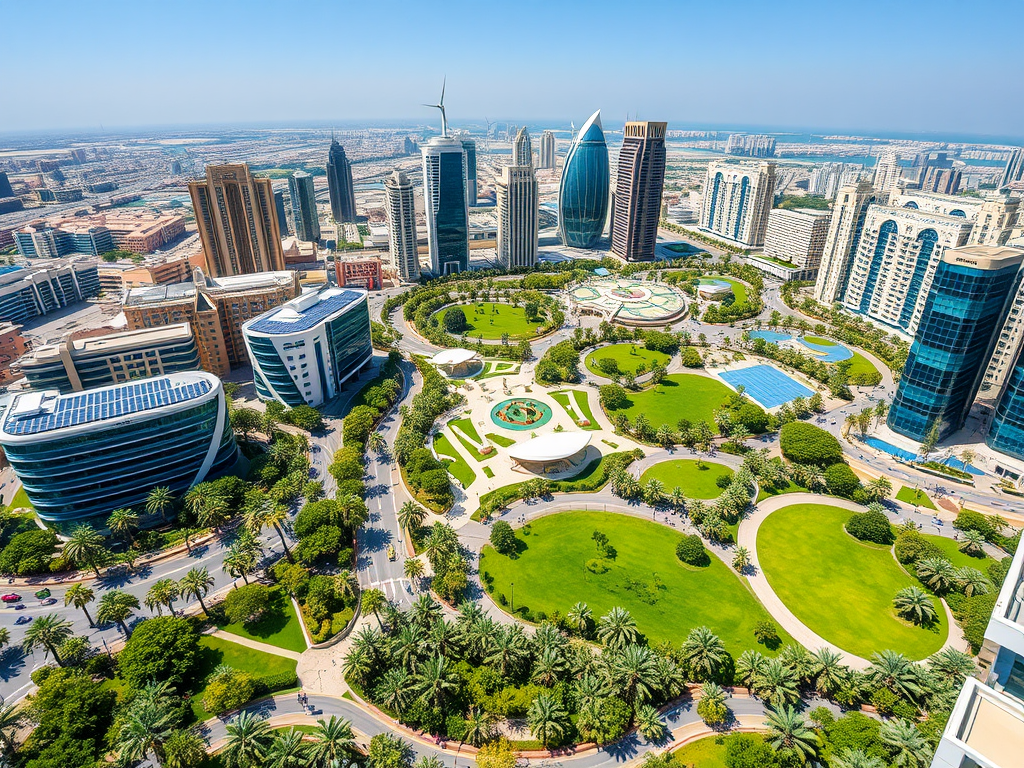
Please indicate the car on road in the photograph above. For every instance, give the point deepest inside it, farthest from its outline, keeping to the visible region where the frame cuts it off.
(49, 601)
(42, 593)
(11, 598)
(391, 551)
(22, 620)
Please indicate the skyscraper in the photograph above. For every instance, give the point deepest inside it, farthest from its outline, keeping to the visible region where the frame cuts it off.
(584, 189)
(304, 213)
(237, 221)
(995, 221)
(547, 150)
(339, 184)
(954, 339)
(282, 216)
(737, 199)
(469, 148)
(887, 173)
(446, 203)
(518, 212)
(796, 236)
(401, 213)
(1014, 170)
(638, 186)
(522, 149)
(5, 186)
(841, 241)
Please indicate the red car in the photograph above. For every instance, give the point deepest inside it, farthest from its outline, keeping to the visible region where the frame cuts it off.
(11, 598)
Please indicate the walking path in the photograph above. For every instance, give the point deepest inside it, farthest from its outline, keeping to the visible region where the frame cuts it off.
(256, 645)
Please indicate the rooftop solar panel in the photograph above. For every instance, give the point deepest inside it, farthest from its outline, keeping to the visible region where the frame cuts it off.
(309, 318)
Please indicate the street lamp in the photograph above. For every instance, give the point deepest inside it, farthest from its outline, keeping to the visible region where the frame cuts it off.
(513, 584)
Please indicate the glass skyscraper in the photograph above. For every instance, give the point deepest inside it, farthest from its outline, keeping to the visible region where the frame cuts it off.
(304, 214)
(961, 318)
(446, 204)
(469, 148)
(339, 184)
(585, 187)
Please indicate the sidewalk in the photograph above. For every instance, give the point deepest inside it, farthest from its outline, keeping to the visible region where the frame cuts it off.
(255, 644)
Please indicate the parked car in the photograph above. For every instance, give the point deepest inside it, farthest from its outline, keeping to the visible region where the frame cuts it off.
(22, 620)
(11, 598)
(391, 551)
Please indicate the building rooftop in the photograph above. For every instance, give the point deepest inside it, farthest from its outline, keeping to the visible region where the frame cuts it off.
(158, 294)
(306, 311)
(111, 343)
(551, 447)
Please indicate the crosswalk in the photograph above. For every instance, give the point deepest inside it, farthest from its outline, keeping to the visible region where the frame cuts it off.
(397, 590)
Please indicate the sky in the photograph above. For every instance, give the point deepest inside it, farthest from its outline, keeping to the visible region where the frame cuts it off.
(892, 66)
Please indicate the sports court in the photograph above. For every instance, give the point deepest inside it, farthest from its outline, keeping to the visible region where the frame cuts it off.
(769, 386)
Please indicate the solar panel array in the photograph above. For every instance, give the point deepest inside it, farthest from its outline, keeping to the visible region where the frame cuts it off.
(311, 317)
(98, 405)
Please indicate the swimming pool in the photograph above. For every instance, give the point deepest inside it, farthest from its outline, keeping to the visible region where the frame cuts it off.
(827, 353)
(772, 337)
(892, 450)
(956, 463)
(767, 385)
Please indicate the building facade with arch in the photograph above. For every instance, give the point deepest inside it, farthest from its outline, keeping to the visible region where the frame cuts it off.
(737, 200)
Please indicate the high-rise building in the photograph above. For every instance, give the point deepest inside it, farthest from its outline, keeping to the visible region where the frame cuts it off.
(518, 212)
(995, 221)
(754, 145)
(401, 212)
(469, 148)
(522, 148)
(954, 339)
(1014, 170)
(26, 293)
(237, 221)
(638, 187)
(887, 173)
(446, 204)
(547, 150)
(304, 351)
(80, 456)
(5, 186)
(304, 213)
(841, 241)
(585, 187)
(898, 253)
(796, 237)
(339, 184)
(282, 216)
(737, 199)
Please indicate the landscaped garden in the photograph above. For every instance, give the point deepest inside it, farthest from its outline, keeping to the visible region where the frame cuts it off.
(577, 406)
(915, 496)
(453, 461)
(279, 626)
(559, 565)
(491, 320)
(841, 588)
(679, 396)
(698, 479)
(626, 357)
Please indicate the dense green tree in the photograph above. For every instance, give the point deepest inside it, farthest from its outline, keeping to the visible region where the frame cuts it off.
(160, 649)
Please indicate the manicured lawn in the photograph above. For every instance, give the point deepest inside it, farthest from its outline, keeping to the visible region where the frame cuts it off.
(467, 426)
(488, 320)
(917, 497)
(697, 482)
(488, 472)
(628, 356)
(950, 548)
(790, 487)
(215, 651)
(280, 627)
(501, 440)
(860, 365)
(456, 465)
(679, 396)
(578, 408)
(493, 368)
(21, 500)
(666, 598)
(841, 588)
(822, 342)
(739, 290)
(703, 753)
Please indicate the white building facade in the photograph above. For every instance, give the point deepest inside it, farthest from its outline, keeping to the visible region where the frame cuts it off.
(400, 207)
(737, 199)
(518, 211)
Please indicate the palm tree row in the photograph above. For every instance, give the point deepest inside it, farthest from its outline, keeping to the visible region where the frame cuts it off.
(252, 743)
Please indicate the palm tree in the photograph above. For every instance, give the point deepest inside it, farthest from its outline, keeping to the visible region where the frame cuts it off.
(163, 592)
(548, 666)
(243, 557)
(741, 559)
(147, 724)
(972, 581)
(703, 653)
(914, 604)
(617, 628)
(649, 724)
(124, 522)
(184, 749)
(973, 542)
(546, 719)
(248, 739)
(508, 649)
(830, 673)
(85, 547)
(777, 684)
(11, 719)
(909, 747)
(411, 516)
(414, 568)
(79, 595)
(654, 491)
(266, 512)
(197, 583)
(435, 681)
(373, 600)
(634, 671)
(749, 667)
(937, 573)
(49, 632)
(895, 672)
(677, 497)
(375, 442)
(207, 505)
(580, 618)
(787, 730)
(332, 742)
(159, 501)
(425, 611)
(345, 583)
(118, 607)
(287, 750)
(5, 636)
(478, 727)
(855, 758)
(879, 488)
(395, 689)
(952, 666)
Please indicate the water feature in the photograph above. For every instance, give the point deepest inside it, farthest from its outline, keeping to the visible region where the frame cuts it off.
(893, 450)
(521, 414)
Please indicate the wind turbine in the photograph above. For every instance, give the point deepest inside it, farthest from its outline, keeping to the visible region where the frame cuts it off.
(487, 136)
(444, 118)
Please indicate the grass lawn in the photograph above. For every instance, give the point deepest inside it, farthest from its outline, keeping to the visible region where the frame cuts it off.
(488, 320)
(214, 651)
(916, 497)
(679, 396)
(579, 407)
(704, 753)
(950, 548)
(280, 627)
(493, 368)
(501, 440)
(697, 482)
(860, 365)
(841, 588)
(790, 487)
(488, 472)
(467, 426)
(455, 464)
(739, 290)
(21, 500)
(666, 598)
(628, 356)
(821, 342)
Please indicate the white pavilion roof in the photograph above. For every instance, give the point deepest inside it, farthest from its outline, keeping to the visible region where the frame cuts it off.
(550, 447)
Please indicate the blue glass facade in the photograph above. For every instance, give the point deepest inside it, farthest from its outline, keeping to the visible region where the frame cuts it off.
(585, 188)
(946, 361)
(451, 224)
(1007, 431)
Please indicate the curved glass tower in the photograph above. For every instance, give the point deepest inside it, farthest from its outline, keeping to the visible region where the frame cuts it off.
(585, 187)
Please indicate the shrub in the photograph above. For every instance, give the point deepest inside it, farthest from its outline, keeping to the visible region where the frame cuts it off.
(753, 417)
(911, 546)
(248, 604)
(969, 520)
(503, 538)
(228, 691)
(28, 552)
(597, 565)
(712, 711)
(690, 550)
(305, 417)
(455, 320)
(165, 648)
(841, 481)
(884, 700)
(613, 397)
(766, 633)
(692, 358)
(870, 526)
(804, 443)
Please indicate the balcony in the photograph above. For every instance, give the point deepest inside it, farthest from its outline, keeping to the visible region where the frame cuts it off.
(1006, 629)
(986, 729)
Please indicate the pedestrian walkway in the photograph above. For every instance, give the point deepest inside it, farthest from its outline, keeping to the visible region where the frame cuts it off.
(256, 645)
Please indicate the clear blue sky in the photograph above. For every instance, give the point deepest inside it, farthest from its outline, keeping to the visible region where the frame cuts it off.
(872, 66)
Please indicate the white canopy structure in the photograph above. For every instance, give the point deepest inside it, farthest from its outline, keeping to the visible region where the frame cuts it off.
(555, 446)
(456, 362)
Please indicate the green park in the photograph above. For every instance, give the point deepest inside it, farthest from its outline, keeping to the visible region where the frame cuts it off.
(626, 357)
(490, 321)
(698, 479)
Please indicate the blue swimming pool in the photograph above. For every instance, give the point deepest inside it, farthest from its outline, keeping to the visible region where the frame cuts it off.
(832, 353)
(955, 463)
(767, 385)
(772, 337)
(892, 450)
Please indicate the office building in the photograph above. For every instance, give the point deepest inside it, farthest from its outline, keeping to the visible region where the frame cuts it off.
(518, 214)
(522, 149)
(446, 204)
(80, 456)
(118, 276)
(12, 347)
(638, 186)
(216, 308)
(737, 199)
(934, 202)
(41, 240)
(339, 184)
(826, 179)
(282, 216)
(986, 727)
(304, 213)
(584, 189)
(966, 302)
(994, 221)
(898, 253)
(135, 230)
(755, 145)
(5, 186)
(547, 150)
(797, 237)
(359, 269)
(887, 174)
(26, 293)
(936, 172)
(72, 365)
(400, 209)
(1014, 170)
(237, 221)
(469, 149)
(304, 351)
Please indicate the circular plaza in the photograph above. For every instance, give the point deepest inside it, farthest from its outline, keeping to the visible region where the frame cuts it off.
(630, 302)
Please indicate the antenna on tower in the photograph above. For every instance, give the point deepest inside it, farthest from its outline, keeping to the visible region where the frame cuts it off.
(440, 106)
